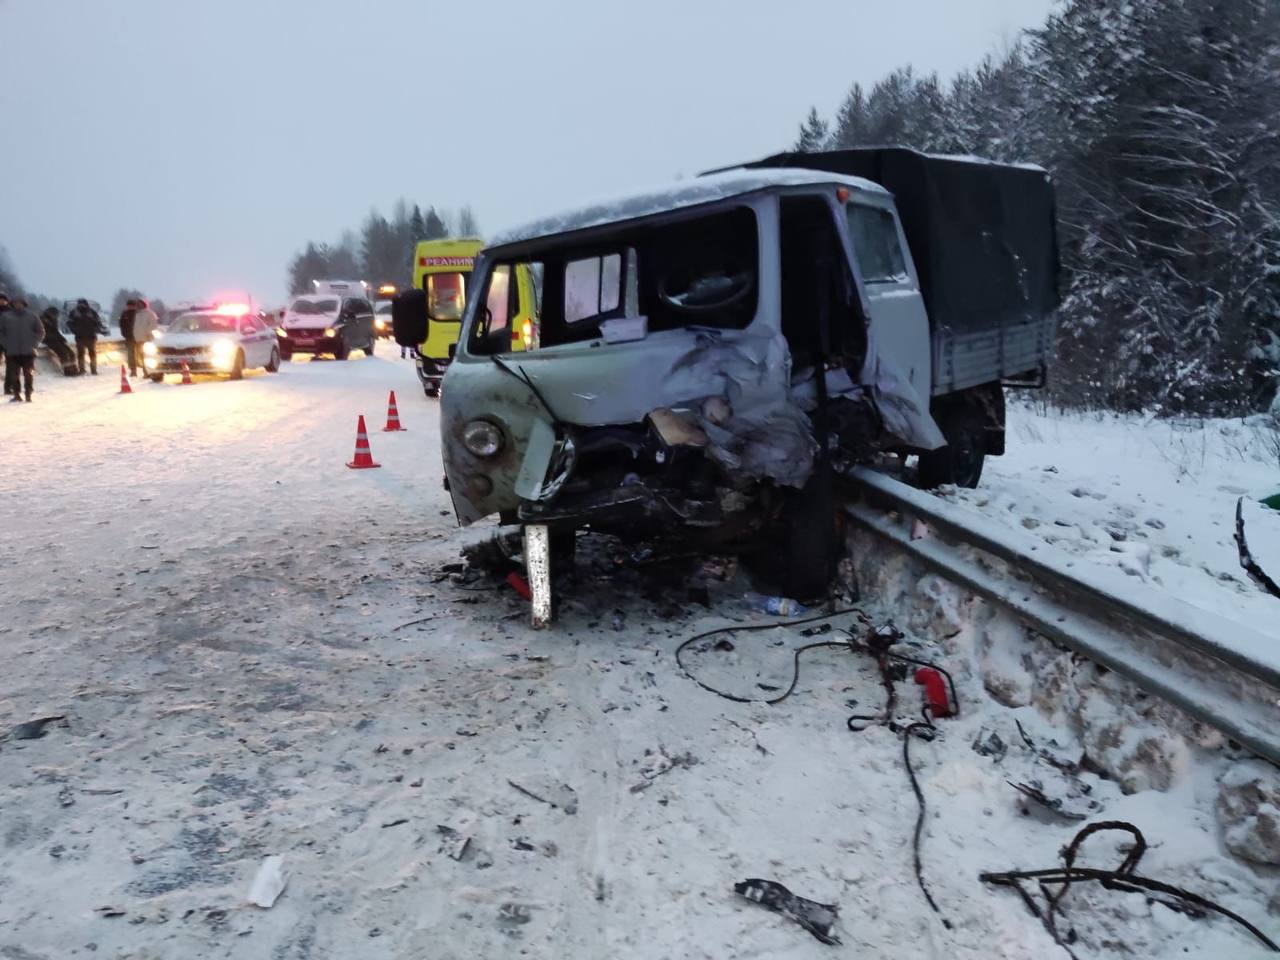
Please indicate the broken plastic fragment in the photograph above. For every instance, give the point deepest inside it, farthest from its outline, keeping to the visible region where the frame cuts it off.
(269, 883)
(818, 918)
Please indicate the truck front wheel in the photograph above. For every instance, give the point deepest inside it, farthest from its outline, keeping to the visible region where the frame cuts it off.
(960, 461)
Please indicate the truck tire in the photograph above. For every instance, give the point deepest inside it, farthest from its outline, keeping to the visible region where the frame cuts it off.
(960, 461)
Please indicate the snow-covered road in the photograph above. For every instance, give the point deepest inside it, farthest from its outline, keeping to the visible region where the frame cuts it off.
(217, 606)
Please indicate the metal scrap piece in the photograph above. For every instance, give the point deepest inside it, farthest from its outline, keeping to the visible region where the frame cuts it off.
(817, 918)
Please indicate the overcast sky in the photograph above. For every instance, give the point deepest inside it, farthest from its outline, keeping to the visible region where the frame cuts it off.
(188, 147)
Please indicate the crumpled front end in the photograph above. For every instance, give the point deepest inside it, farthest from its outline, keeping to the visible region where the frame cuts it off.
(684, 430)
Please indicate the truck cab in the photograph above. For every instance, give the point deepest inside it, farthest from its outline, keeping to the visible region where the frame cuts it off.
(710, 356)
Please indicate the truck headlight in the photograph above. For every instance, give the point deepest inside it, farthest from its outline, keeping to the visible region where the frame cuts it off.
(149, 349)
(482, 438)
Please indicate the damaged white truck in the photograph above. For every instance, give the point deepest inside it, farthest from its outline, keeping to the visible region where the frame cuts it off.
(671, 390)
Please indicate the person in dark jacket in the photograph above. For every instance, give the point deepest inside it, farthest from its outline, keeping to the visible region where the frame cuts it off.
(55, 341)
(21, 331)
(4, 308)
(83, 321)
(132, 351)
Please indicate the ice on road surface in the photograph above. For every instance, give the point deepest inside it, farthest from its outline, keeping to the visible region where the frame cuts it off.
(192, 578)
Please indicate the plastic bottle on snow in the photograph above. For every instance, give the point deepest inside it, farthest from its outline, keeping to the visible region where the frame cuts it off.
(775, 606)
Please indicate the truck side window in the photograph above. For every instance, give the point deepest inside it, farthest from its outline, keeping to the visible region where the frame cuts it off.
(592, 287)
(874, 233)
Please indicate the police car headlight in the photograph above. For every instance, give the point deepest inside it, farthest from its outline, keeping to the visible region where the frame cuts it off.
(223, 352)
(149, 349)
(482, 438)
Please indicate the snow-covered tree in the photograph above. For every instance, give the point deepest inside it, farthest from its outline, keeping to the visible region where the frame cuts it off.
(813, 133)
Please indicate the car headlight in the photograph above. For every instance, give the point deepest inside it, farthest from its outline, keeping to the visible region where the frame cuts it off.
(149, 349)
(330, 332)
(223, 352)
(282, 332)
(482, 438)
(382, 324)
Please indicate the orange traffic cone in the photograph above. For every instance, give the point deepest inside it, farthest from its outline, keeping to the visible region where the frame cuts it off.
(364, 457)
(186, 372)
(393, 415)
(124, 381)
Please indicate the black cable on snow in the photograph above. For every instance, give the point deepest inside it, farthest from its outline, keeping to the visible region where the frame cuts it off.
(1251, 566)
(1122, 879)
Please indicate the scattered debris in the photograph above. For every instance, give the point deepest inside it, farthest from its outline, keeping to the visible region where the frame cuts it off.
(269, 882)
(935, 691)
(110, 911)
(990, 745)
(33, 729)
(1073, 808)
(817, 918)
(515, 913)
(455, 842)
(656, 763)
(567, 800)
(395, 823)
(519, 585)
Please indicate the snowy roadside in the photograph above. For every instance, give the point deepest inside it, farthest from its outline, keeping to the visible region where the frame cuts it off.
(223, 614)
(1150, 499)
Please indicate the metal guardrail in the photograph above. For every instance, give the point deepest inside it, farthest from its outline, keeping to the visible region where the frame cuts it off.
(1223, 673)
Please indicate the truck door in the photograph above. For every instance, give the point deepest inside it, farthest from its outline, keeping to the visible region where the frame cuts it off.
(899, 323)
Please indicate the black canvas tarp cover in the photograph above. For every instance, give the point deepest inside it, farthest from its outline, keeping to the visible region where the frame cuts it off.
(983, 235)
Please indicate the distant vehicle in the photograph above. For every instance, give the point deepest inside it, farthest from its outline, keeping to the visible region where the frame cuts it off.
(382, 309)
(441, 280)
(329, 321)
(229, 339)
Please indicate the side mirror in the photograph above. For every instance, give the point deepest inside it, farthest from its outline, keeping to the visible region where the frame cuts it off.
(409, 317)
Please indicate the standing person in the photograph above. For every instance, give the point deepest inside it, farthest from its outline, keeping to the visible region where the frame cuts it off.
(56, 342)
(145, 323)
(21, 331)
(125, 321)
(4, 308)
(83, 321)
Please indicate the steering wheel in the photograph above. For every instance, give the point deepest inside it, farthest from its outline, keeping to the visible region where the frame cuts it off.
(709, 292)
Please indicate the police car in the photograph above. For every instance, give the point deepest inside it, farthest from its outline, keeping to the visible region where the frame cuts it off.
(226, 338)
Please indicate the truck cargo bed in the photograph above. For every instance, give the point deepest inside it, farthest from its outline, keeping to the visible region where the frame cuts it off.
(984, 241)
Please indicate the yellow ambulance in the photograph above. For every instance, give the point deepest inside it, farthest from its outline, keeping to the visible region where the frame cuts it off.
(442, 268)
